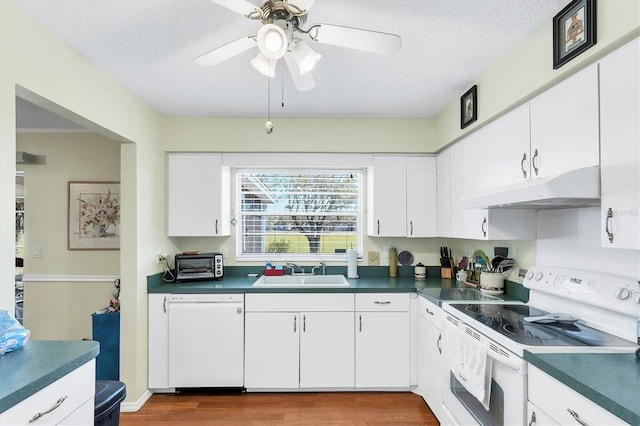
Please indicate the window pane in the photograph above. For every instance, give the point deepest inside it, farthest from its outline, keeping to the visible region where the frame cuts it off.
(315, 212)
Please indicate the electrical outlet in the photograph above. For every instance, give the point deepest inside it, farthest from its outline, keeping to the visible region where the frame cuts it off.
(385, 252)
(160, 257)
(373, 258)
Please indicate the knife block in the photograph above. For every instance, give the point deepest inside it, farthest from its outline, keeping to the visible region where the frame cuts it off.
(446, 273)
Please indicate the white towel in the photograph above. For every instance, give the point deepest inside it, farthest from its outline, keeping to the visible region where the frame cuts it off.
(470, 364)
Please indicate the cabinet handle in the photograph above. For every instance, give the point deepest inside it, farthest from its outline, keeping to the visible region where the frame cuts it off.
(56, 405)
(532, 419)
(576, 417)
(378, 221)
(386, 302)
(411, 224)
(295, 324)
(164, 305)
(438, 343)
(533, 161)
(304, 323)
(216, 226)
(484, 230)
(428, 311)
(360, 317)
(606, 225)
(524, 158)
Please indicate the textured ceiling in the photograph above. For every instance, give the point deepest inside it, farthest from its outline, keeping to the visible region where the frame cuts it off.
(149, 45)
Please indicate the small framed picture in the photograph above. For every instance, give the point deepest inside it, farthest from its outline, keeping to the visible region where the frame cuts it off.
(94, 216)
(574, 31)
(469, 107)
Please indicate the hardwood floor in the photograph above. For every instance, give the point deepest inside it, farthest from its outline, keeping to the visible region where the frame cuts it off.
(322, 408)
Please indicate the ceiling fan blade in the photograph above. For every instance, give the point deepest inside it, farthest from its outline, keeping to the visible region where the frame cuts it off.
(226, 51)
(243, 7)
(303, 83)
(355, 38)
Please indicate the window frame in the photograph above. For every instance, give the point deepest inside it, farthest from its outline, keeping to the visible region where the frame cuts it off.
(290, 257)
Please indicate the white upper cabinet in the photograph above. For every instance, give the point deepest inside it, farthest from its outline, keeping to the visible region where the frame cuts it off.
(443, 180)
(564, 126)
(422, 211)
(402, 197)
(198, 195)
(620, 147)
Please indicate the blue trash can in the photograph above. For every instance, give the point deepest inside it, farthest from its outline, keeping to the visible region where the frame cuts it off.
(109, 395)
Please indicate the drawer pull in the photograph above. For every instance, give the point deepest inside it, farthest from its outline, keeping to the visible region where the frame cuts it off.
(576, 417)
(532, 420)
(428, 311)
(382, 303)
(56, 405)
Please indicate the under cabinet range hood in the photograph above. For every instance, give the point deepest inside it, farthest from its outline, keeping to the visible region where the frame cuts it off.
(577, 188)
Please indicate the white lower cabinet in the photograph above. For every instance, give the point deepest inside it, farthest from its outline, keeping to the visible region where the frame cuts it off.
(63, 402)
(430, 364)
(559, 404)
(299, 341)
(158, 341)
(383, 340)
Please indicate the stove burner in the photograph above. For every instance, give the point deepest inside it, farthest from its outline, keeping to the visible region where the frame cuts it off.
(527, 332)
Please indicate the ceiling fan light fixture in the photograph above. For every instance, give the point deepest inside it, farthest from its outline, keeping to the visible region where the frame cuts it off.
(272, 41)
(265, 65)
(305, 56)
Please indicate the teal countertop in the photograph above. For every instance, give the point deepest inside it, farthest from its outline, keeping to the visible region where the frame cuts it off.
(610, 380)
(38, 364)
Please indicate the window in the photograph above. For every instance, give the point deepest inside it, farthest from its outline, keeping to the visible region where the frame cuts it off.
(298, 214)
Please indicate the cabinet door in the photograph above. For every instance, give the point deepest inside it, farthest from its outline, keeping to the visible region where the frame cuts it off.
(443, 190)
(326, 350)
(507, 144)
(500, 224)
(387, 199)
(271, 350)
(564, 125)
(620, 147)
(383, 347)
(198, 195)
(158, 341)
(422, 215)
(430, 364)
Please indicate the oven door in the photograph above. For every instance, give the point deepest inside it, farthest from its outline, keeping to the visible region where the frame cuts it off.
(508, 391)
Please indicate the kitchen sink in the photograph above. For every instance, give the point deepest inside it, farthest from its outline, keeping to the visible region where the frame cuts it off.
(302, 281)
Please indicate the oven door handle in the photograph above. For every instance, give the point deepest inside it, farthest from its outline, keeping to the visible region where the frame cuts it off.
(509, 360)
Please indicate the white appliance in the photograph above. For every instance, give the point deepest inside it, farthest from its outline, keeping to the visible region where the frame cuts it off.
(607, 308)
(206, 340)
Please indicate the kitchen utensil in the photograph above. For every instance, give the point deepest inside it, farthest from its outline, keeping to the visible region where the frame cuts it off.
(495, 262)
(480, 257)
(463, 262)
(405, 258)
(550, 318)
(505, 265)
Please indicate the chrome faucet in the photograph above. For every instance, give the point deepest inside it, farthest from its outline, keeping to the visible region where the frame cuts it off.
(323, 266)
(295, 269)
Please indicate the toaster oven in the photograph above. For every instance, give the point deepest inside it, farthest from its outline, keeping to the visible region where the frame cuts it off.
(199, 266)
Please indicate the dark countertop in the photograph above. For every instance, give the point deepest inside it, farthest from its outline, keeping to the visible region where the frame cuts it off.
(610, 380)
(38, 364)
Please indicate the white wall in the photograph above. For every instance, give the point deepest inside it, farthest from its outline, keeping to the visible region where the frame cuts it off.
(571, 238)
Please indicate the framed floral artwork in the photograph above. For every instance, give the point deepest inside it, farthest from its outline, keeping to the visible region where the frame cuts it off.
(94, 216)
(574, 31)
(469, 107)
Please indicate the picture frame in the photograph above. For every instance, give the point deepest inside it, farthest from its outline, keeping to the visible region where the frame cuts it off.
(574, 31)
(469, 107)
(94, 216)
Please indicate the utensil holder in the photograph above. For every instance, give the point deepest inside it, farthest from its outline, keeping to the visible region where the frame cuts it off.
(446, 273)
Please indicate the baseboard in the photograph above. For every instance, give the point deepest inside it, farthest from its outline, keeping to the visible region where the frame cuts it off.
(130, 407)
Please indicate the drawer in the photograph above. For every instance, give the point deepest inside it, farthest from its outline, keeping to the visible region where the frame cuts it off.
(389, 302)
(558, 401)
(74, 389)
(299, 302)
(431, 312)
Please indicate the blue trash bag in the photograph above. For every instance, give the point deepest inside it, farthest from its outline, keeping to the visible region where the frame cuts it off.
(12, 334)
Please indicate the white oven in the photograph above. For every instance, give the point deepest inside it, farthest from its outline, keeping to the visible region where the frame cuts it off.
(485, 381)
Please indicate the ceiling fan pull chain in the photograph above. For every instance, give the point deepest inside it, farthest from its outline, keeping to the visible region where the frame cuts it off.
(268, 126)
(282, 93)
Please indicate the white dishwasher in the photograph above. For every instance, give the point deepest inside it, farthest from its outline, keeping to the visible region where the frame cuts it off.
(206, 340)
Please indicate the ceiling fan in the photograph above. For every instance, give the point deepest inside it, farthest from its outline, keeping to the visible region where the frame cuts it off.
(281, 37)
